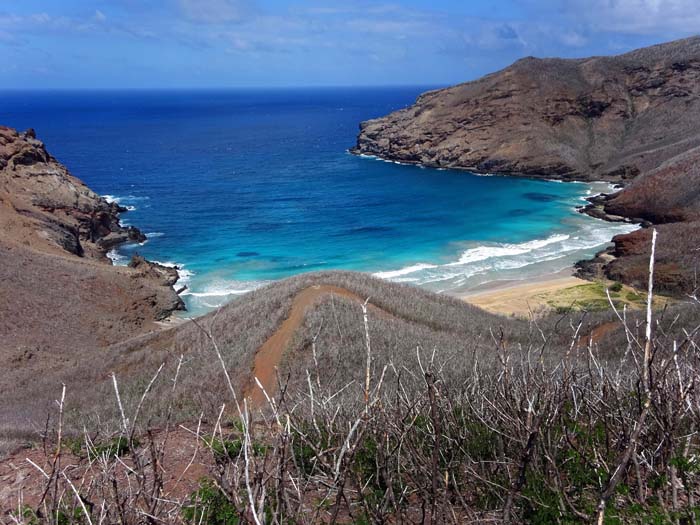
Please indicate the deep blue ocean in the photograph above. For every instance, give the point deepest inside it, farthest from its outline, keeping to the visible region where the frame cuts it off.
(241, 187)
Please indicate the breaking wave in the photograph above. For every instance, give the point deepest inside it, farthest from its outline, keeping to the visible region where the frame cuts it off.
(491, 261)
(217, 293)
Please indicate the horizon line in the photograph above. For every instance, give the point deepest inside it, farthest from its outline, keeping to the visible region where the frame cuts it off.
(222, 88)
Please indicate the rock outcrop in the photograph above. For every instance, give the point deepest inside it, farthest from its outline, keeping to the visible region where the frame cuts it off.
(51, 208)
(668, 198)
(631, 119)
(168, 275)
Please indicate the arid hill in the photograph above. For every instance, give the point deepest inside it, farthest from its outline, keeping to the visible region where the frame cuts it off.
(415, 388)
(668, 197)
(46, 208)
(585, 119)
(630, 119)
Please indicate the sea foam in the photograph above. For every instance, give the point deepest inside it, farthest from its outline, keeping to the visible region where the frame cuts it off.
(481, 253)
(111, 199)
(219, 292)
(552, 253)
(117, 258)
(404, 271)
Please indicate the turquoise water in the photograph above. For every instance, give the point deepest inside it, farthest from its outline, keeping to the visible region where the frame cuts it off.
(244, 187)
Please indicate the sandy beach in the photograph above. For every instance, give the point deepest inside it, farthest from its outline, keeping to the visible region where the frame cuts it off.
(521, 297)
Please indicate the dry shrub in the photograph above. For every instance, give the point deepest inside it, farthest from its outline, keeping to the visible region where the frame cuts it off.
(553, 424)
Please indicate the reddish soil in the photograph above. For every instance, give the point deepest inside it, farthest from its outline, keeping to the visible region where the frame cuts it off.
(185, 462)
(269, 355)
(598, 333)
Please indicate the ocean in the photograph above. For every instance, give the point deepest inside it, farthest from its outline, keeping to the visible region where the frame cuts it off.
(242, 187)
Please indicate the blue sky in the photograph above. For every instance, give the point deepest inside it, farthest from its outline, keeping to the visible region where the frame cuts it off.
(222, 43)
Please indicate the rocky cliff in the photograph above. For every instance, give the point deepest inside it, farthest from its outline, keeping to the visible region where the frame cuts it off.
(590, 119)
(667, 197)
(44, 206)
(630, 119)
(61, 300)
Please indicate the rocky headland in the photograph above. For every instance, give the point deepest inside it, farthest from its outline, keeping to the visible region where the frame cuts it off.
(630, 119)
(62, 300)
(46, 208)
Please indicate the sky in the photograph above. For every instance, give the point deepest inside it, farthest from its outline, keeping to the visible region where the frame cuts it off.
(279, 43)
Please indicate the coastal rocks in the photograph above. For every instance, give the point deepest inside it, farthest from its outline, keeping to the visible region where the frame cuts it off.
(676, 265)
(59, 290)
(163, 307)
(162, 275)
(167, 275)
(128, 234)
(596, 208)
(668, 197)
(667, 194)
(58, 210)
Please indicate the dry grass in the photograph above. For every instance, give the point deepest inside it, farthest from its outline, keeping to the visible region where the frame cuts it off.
(399, 412)
(531, 431)
(402, 318)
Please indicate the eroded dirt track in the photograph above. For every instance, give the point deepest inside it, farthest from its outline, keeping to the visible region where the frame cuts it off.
(269, 355)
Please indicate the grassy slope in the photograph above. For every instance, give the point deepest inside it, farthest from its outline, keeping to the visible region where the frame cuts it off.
(402, 319)
(457, 384)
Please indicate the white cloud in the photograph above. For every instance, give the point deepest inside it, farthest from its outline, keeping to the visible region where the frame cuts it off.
(7, 38)
(388, 27)
(44, 23)
(216, 11)
(572, 38)
(632, 17)
(495, 36)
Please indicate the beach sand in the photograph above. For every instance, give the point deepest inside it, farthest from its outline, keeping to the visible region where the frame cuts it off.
(520, 298)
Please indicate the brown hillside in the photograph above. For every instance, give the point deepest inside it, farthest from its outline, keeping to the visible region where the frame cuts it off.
(586, 119)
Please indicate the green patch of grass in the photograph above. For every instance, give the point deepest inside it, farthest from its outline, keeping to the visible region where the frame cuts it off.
(230, 449)
(634, 297)
(115, 447)
(208, 504)
(593, 297)
(60, 516)
(304, 454)
(616, 287)
(224, 449)
(74, 445)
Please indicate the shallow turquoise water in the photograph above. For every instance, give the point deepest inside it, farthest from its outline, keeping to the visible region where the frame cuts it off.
(243, 187)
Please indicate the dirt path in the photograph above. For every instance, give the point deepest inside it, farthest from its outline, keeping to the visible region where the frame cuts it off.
(269, 355)
(599, 333)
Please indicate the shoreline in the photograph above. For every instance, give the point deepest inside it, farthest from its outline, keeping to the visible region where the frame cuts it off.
(592, 208)
(521, 297)
(117, 258)
(474, 170)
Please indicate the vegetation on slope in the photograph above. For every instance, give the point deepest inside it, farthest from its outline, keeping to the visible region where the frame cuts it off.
(401, 318)
(393, 410)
